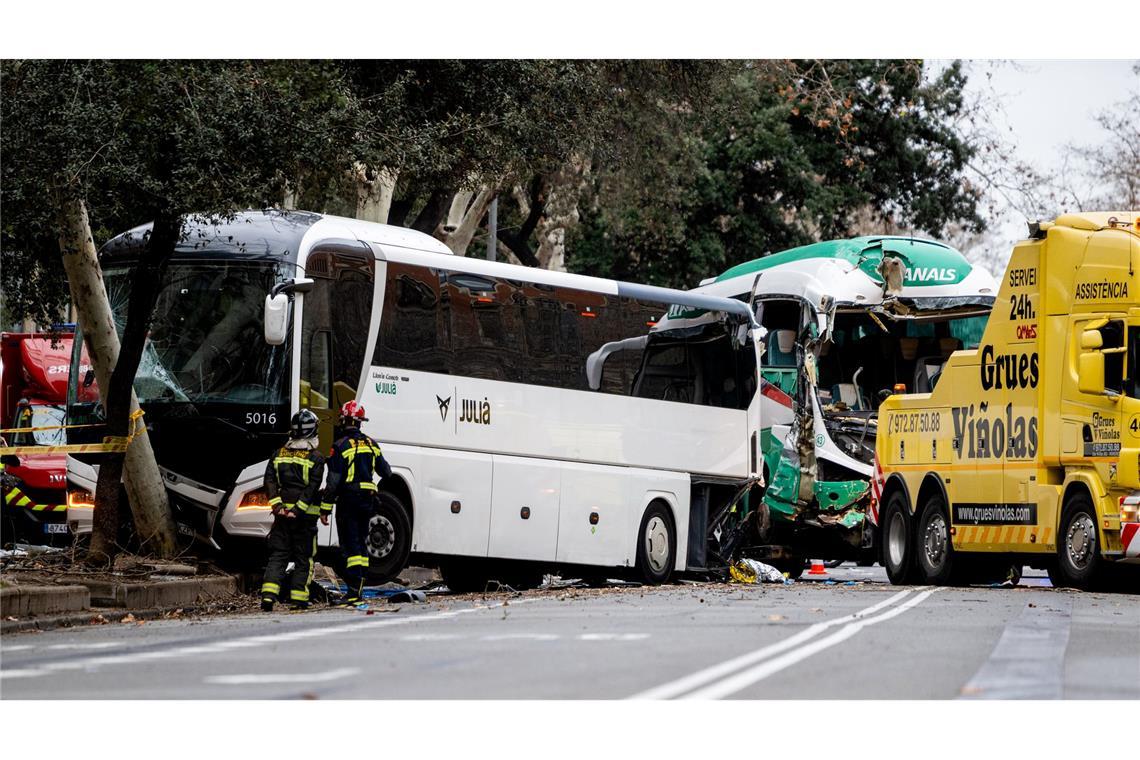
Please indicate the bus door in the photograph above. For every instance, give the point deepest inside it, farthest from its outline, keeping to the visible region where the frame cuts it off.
(336, 316)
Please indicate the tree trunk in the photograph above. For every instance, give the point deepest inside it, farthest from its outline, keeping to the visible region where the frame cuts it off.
(433, 211)
(466, 222)
(374, 189)
(143, 482)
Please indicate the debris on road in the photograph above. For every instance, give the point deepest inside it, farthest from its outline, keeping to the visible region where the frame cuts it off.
(752, 571)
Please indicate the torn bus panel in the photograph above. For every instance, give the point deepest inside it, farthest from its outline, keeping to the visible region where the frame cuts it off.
(848, 322)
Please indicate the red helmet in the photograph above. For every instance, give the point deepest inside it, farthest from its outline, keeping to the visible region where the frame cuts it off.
(352, 411)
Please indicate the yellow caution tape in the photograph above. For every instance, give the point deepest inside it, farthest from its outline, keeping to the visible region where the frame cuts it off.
(112, 444)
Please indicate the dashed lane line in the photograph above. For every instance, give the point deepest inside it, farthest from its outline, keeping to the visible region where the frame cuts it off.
(726, 668)
(129, 658)
(244, 679)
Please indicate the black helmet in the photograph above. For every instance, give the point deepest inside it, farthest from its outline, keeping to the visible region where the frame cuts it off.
(303, 424)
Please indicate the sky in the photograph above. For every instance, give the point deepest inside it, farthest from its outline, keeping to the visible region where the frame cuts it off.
(1049, 104)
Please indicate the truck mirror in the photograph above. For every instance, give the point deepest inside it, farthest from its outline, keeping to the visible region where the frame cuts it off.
(89, 378)
(10, 460)
(276, 318)
(1091, 339)
(1090, 371)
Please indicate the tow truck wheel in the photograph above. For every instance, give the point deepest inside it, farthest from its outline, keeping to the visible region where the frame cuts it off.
(935, 551)
(897, 547)
(656, 545)
(1078, 545)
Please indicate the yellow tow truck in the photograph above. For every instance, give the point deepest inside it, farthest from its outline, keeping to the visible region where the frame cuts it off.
(1027, 450)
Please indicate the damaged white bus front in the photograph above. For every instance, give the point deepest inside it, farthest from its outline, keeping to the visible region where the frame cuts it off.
(848, 323)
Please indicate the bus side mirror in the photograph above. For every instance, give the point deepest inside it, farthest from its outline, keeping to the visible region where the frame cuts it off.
(1090, 372)
(276, 319)
(276, 316)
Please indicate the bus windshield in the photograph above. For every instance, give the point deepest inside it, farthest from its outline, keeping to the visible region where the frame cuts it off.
(205, 343)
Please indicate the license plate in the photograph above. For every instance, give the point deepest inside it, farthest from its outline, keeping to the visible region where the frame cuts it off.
(55, 528)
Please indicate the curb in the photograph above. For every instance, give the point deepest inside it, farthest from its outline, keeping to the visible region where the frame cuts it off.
(21, 601)
(83, 619)
(181, 593)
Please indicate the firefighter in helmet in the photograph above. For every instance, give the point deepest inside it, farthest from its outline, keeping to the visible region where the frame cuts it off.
(354, 459)
(293, 481)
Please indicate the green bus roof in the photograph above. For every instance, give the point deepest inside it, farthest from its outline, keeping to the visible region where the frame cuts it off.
(866, 252)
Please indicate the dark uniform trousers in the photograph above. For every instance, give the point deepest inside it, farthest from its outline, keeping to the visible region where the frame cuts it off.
(353, 513)
(291, 539)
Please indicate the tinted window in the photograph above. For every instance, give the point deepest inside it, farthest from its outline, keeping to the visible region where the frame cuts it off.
(497, 329)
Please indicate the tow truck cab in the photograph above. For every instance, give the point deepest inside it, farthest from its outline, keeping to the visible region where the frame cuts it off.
(1027, 449)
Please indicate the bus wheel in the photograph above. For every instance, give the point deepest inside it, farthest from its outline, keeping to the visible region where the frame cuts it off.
(897, 547)
(1078, 545)
(935, 552)
(656, 545)
(389, 539)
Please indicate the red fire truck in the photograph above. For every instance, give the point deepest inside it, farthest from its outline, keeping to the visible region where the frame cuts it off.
(33, 397)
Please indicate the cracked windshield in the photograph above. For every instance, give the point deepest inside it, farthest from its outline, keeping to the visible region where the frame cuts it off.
(205, 342)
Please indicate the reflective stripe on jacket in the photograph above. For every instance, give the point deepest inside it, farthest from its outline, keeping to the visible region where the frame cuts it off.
(293, 480)
(352, 462)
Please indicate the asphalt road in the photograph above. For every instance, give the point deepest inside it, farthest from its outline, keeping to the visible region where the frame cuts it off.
(804, 641)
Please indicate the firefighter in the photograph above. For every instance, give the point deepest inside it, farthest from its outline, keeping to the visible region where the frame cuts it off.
(352, 462)
(9, 484)
(293, 481)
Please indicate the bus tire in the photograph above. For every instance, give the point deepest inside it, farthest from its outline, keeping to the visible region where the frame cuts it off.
(656, 545)
(389, 539)
(1078, 545)
(897, 547)
(934, 549)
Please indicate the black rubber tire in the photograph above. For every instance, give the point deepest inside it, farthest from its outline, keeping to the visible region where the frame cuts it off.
(657, 515)
(939, 571)
(899, 561)
(1071, 571)
(389, 540)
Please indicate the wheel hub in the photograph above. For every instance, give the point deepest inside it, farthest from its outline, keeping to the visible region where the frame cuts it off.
(934, 541)
(896, 539)
(381, 537)
(1080, 539)
(657, 544)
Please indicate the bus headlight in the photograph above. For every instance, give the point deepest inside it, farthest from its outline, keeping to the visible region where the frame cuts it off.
(79, 498)
(254, 501)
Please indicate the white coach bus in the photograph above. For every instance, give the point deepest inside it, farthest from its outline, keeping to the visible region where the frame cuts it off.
(509, 458)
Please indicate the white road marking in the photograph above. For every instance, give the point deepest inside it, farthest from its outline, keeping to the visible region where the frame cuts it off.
(701, 677)
(744, 679)
(87, 663)
(520, 637)
(241, 679)
(612, 636)
(19, 648)
(1029, 659)
(431, 637)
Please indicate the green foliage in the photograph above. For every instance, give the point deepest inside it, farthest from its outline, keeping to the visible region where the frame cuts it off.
(787, 155)
(140, 139)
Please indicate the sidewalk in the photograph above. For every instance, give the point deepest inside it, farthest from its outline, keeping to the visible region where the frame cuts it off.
(47, 590)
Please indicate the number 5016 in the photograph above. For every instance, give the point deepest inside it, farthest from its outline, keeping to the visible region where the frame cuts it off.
(261, 418)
